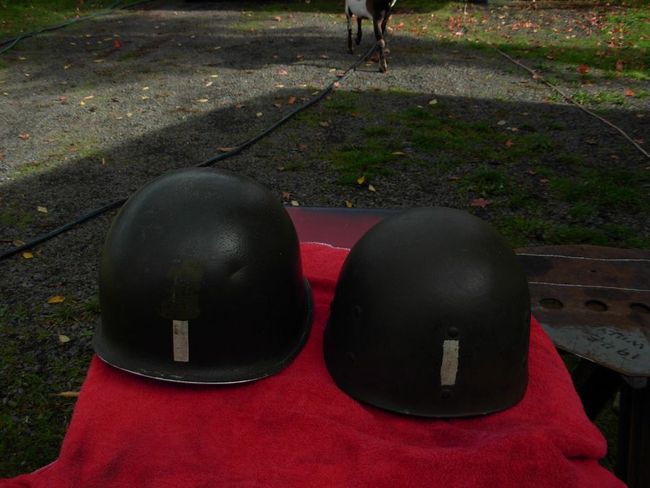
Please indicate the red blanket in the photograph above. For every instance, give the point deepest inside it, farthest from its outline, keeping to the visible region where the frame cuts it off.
(296, 429)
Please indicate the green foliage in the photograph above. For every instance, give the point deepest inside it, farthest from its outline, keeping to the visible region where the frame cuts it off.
(612, 189)
(33, 419)
(352, 162)
(22, 16)
(522, 231)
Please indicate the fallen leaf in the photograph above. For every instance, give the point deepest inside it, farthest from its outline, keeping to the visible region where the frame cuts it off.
(202, 100)
(277, 18)
(371, 188)
(259, 114)
(532, 172)
(225, 149)
(340, 74)
(303, 147)
(361, 180)
(543, 180)
(509, 143)
(55, 299)
(117, 44)
(24, 136)
(41, 209)
(620, 65)
(63, 100)
(209, 83)
(240, 105)
(324, 124)
(295, 203)
(145, 88)
(277, 105)
(67, 66)
(28, 255)
(480, 202)
(324, 56)
(291, 100)
(336, 85)
(283, 72)
(583, 69)
(63, 338)
(147, 98)
(398, 153)
(453, 178)
(433, 102)
(536, 75)
(18, 243)
(286, 195)
(348, 204)
(629, 93)
(501, 122)
(89, 97)
(67, 394)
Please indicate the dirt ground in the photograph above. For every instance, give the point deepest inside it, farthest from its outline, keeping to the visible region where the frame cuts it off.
(91, 113)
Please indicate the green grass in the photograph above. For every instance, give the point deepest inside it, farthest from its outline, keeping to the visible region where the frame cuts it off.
(33, 419)
(23, 16)
(353, 162)
(610, 188)
(16, 218)
(599, 38)
(520, 231)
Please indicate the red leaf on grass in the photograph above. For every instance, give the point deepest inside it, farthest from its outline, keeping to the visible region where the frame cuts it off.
(583, 69)
(480, 202)
(117, 44)
(24, 136)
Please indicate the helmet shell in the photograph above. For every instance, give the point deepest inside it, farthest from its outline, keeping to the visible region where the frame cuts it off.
(201, 282)
(431, 317)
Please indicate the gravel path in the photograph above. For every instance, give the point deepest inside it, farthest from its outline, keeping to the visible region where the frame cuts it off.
(90, 113)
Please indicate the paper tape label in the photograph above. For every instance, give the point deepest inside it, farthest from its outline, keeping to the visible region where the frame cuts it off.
(181, 341)
(449, 367)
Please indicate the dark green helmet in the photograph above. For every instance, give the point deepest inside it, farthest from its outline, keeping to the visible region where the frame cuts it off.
(431, 317)
(201, 282)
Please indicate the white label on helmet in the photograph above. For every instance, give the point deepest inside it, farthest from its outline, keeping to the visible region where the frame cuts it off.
(449, 368)
(181, 341)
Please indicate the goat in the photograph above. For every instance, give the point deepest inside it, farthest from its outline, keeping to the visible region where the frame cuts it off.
(376, 10)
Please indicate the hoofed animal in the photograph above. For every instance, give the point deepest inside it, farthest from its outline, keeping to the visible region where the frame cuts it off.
(376, 10)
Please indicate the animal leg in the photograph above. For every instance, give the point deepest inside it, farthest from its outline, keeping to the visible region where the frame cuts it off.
(358, 39)
(348, 16)
(381, 44)
(384, 22)
(383, 31)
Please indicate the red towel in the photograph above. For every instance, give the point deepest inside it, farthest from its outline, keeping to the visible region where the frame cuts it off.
(296, 429)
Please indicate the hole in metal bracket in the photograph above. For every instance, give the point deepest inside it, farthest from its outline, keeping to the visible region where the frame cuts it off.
(552, 303)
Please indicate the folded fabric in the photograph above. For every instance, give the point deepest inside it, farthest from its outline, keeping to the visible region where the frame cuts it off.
(297, 429)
